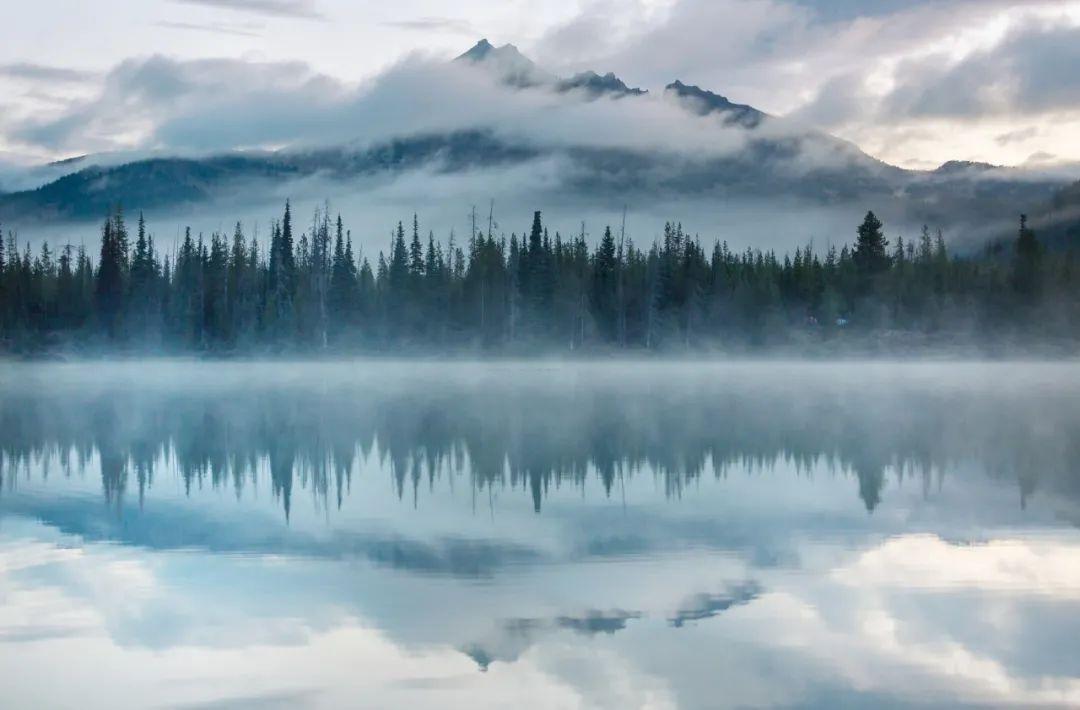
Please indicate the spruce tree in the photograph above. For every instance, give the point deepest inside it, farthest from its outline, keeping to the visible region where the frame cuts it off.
(1027, 262)
(870, 248)
(110, 286)
(605, 285)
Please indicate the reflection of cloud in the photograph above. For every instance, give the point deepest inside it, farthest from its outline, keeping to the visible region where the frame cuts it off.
(852, 640)
(928, 562)
(171, 528)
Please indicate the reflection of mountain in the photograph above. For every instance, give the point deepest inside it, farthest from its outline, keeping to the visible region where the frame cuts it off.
(706, 606)
(776, 160)
(514, 636)
(508, 434)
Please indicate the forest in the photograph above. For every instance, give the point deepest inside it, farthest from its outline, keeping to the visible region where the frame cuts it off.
(312, 292)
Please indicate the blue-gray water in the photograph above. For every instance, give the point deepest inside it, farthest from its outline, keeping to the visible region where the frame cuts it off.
(602, 535)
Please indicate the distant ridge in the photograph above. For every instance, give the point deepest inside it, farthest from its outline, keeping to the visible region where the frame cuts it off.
(510, 64)
(705, 102)
(596, 85)
(953, 167)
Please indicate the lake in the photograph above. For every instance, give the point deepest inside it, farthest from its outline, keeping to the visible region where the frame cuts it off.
(539, 534)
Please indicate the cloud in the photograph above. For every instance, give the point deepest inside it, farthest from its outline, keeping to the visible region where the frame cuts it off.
(199, 106)
(434, 24)
(854, 9)
(630, 40)
(866, 71)
(217, 28)
(43, 74)
(1030, 72)
(141, 97)
(303, 9)
(1017, 136)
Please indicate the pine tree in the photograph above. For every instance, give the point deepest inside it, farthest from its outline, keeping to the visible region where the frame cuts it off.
(142, 287)
(236, 285)
(110, 285)
(870, 256)
(605, 285)
(341, 280)
(1027, 262)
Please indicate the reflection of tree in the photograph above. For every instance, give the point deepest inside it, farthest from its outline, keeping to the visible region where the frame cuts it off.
(535, 438)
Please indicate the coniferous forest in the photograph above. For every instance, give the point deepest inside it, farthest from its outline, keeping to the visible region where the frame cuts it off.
(308, 289)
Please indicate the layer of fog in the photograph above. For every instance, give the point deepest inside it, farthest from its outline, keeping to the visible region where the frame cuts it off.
(444, 204)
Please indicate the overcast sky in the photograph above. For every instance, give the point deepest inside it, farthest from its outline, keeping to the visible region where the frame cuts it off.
(914, 82)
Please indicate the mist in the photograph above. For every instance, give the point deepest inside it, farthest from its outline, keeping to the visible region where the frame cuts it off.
(372, 206)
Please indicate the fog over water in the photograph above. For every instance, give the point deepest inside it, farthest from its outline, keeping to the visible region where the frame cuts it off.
(548, 534)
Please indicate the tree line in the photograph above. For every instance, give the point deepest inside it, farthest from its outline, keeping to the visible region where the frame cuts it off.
(522, 293)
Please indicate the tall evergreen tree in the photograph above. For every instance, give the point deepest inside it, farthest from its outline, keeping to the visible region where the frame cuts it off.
(111, 276)
(1027, 262)
(605, 285)
(870, 248)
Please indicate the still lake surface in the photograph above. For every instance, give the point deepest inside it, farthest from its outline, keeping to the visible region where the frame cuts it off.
(599, 535)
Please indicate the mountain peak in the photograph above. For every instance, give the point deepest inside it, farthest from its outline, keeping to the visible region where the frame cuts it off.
(484, 51)
(479, 51)
(596, 85)
(513, 66)
(955, 167)
(705, 102)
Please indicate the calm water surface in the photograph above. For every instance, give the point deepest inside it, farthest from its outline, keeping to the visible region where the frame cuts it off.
(684, 535)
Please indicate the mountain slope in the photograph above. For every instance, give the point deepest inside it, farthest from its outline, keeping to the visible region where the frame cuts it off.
(513, 67)
(705, 102)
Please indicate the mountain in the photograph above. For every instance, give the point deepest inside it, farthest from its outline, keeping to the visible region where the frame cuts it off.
(1057, 222)
(961, 167)
(705, 102)
(177, 183)
(772, 160)
(513, 67)
(595, 85)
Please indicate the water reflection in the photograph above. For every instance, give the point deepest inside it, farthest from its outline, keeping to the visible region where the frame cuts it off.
(509, 429)
(603, 535)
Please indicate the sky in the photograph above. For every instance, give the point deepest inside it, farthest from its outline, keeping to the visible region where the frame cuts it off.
(912, 82)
